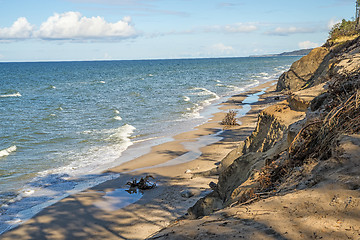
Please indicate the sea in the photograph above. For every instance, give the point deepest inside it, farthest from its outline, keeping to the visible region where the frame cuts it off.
(63, 124)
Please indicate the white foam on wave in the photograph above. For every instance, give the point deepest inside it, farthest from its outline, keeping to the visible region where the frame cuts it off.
(204, 92)
(263, 75)
(251, 85)
(11, 95)
(8, 151)
(235, 88)
(52, 185)
(280, 69)
(123, 132)
(197, 107)
(147, 139)
(186, 98)
(97, 158)
(118, 118)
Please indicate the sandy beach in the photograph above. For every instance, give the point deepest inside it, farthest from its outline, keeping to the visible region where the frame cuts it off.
(108, 212)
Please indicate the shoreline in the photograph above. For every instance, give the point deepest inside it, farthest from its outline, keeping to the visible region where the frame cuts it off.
(159, 206)
(170, 150)
(206, 113)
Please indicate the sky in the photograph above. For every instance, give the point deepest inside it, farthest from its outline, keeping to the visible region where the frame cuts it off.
(63, 30)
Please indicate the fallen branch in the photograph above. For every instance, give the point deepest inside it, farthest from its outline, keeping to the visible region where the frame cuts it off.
(142, 184)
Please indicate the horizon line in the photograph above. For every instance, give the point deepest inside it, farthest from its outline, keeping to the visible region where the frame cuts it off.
(143, 59)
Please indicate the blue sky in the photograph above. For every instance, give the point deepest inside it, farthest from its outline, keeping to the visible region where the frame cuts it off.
(41, 30)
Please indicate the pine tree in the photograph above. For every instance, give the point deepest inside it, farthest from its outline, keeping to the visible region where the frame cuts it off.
(357, 15)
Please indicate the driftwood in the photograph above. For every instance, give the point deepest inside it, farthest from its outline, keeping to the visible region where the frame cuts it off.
(142, 184)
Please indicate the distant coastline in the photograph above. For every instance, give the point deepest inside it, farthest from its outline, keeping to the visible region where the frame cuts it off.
(301, 52)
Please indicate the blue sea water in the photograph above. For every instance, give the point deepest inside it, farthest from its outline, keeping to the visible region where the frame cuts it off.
(63, 123)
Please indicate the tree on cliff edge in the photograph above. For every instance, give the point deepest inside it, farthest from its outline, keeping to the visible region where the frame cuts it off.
(357, 15)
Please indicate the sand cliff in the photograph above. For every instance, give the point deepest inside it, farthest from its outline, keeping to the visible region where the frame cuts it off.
(297, 175)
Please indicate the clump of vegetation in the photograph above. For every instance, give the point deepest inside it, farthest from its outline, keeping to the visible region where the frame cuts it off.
(230, 119)
(341, 116)
(344, 28)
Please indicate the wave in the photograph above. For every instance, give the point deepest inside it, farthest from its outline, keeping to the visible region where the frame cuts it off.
(235, 88)
(7, 151)
(194, 112)
(263, 75)
(51, 87)
(95, 158)
(204, 92)
(122, 134)
(280, 69)
(17, 94)
(118, 118)
(52, 185)
(186, 98)
(147, 139)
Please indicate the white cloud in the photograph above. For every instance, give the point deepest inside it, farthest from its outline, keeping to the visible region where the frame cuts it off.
(240, 27)
(233, 28)
(21, 29)
(116, 2)
(69, 26)
(107, 56)
(280, 31)
(230, 28)
(308, 44)
(332, 22)
(221, 48)
(72, 25)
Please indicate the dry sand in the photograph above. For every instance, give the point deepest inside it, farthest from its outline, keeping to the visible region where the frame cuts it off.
(326, 212)
(91, 214)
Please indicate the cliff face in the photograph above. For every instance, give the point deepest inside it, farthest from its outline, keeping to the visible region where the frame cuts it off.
(299, 133)
(320, 65)
(302, 70)
(270, 137)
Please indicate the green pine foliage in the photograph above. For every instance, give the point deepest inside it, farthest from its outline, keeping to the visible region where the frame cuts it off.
(343, 28)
